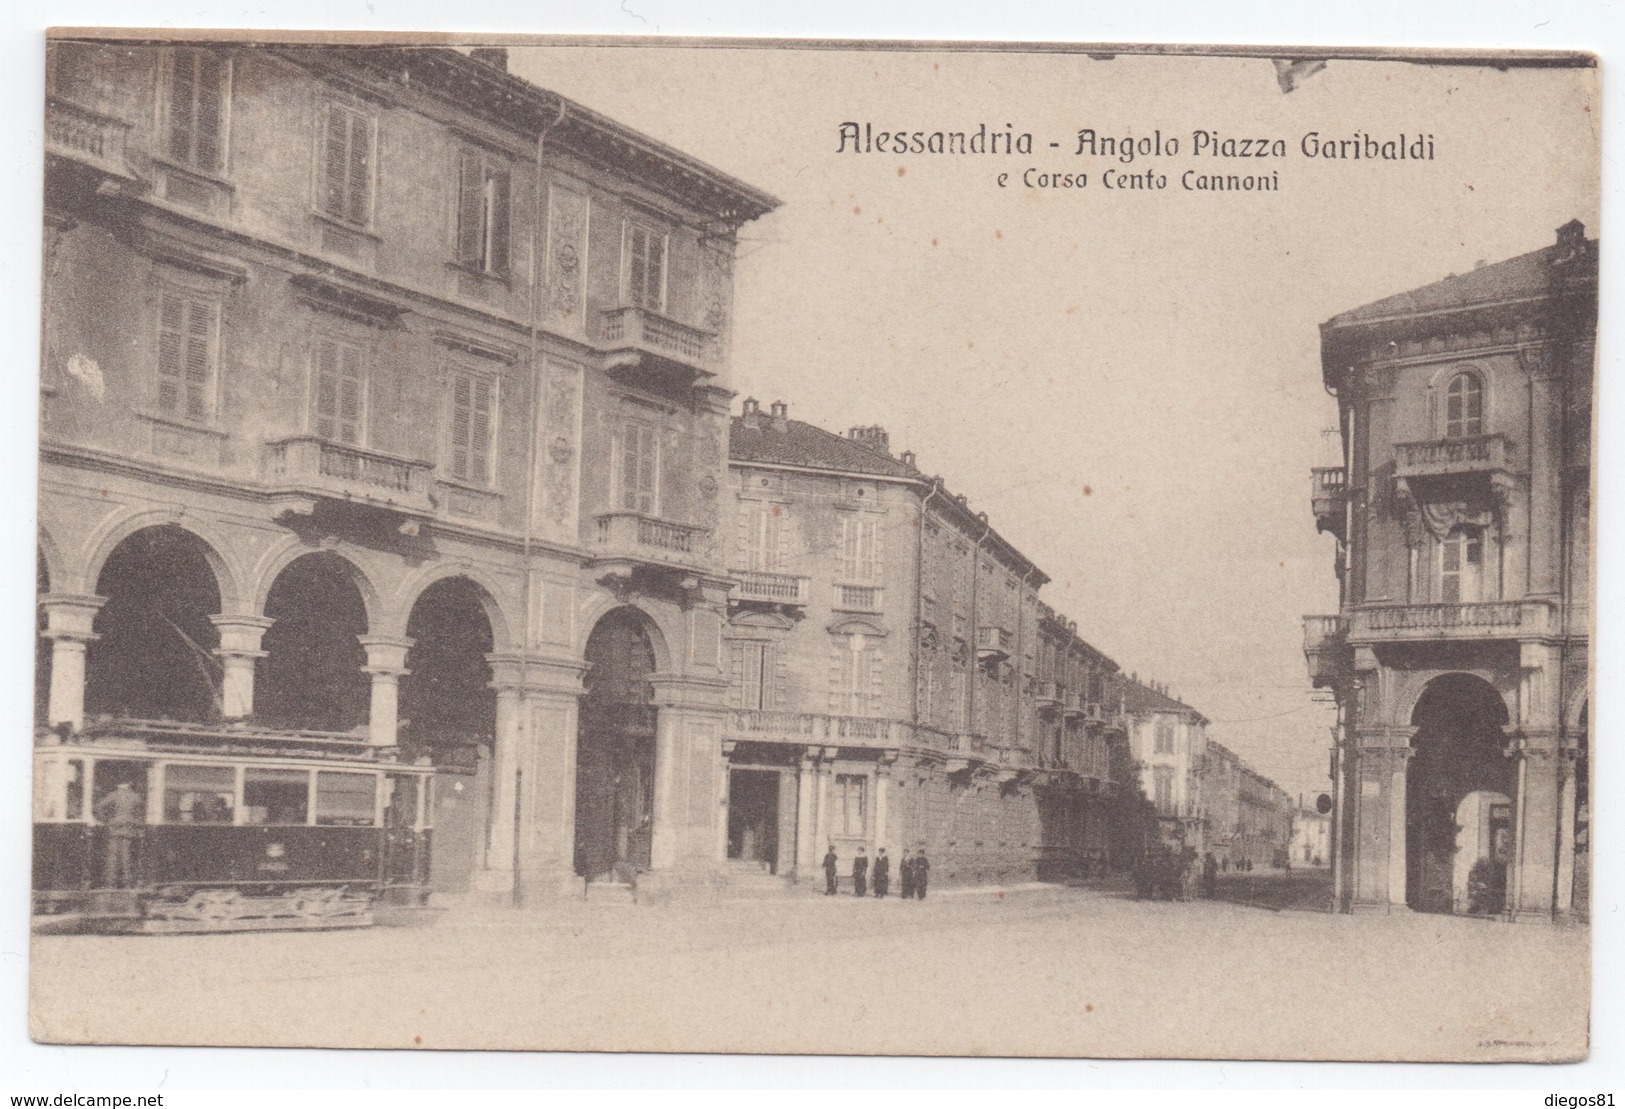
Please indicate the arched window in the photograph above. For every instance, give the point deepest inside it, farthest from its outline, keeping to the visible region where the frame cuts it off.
(1461, 565)
(1464, 406)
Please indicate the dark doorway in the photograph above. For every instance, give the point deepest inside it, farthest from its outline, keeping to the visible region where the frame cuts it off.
(448, 709)
(312, 676)
(753, 817)
(1457, 751)
(42, 647)
(153, 658)
(615, 759)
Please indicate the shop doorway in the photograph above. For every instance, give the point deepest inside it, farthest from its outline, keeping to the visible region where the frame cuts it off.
(753, 818)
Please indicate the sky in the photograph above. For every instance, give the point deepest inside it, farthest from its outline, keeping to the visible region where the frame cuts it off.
(1128, 382)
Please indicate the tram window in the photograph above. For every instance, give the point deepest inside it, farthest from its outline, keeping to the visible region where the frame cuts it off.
(276, 796)
(401, 800)
(199, 794)
(59, 790)
(346, 799)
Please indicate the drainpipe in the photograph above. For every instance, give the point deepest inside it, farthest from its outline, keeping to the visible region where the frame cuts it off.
(538, 231)
(975, 621)
(919, 596)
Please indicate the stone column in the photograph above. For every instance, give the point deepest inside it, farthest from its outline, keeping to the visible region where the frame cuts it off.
(386, 662)
(238, 651)
(1536, 812)
(1568, 799)
(806, 827)
(826, 770)
(1379, 786)
(724, 799)
(69, 619)
(531, 853)
(688, 761)
(882, 787)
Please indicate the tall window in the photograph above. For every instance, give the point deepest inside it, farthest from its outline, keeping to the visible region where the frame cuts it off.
(860, 549)
(639, 469)
(473, 405)
(645, 267)
(346, 179)
(1464, 407)
(196, 109)
(187, 351)
(851, 793)
(1163, 783)
(853, 677)
(753, 675)
(338, 390)
(1461, 566)
(1165, 737)
(482, 213)
(761, 531)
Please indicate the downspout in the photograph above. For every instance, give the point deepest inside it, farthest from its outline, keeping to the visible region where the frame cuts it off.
(919, 596)
(538, 231)
(975, 624)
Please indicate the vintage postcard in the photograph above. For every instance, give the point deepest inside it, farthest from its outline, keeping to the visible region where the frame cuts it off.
(815, 547)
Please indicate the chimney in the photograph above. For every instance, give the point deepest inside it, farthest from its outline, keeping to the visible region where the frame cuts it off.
(874, 438)
(494, 56)
(1571, 242)
(752, 413)
(908, 459)
(781, 416)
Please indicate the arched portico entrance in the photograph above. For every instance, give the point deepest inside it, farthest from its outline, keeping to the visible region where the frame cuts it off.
(1457, 798)
(615, 761)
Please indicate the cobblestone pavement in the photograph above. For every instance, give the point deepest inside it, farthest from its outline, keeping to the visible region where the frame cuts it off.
(1030, 971)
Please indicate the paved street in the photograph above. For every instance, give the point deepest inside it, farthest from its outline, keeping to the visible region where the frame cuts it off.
(1029, 972)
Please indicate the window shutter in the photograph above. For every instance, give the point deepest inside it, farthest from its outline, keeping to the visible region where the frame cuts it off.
(769, 553)
(360, 169)
(480, 434)
(182, 101)
(751, 680)
(325, 395)
(736, 687)
(654, 278)
(497, 249)
(876, 679)
(849, 548)
(336, 143)
(782, 547)
(350, 400)
(470, 208)
(460, 429)
(745, 524)
(171, 341)
(210, 105)
(646, 472)
(199, 358)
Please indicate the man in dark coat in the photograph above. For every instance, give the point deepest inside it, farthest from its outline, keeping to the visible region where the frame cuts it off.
(905, 875)
(123, 811)
(860, 874)
(882, 873)
(830, 863)
(922, 874)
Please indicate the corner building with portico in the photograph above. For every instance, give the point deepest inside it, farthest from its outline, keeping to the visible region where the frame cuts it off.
(1459, 656)
(382, 399)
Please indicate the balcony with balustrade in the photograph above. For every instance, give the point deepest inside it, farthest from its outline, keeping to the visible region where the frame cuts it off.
(1051, 696)
(771, 588)
(643, 344)
(823, 729)
(1324, 648)
(86, 138)
(309, 467)
(1328, 498)
(1483, 620)
(1476, 454)
(627, 542)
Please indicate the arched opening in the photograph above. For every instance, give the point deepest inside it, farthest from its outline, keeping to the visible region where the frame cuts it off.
(311, 676)
(447, 705)
(42, 645)
(615, 759)
(1458, 824)
(152, 658)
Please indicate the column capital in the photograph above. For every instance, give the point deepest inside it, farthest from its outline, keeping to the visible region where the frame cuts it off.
(687, 691)
(1391, 736)
(386, 654)
(71, 615)
(518, 672)
(240, 635)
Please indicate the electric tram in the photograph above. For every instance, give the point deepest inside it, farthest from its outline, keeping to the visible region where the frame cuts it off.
(144, 826)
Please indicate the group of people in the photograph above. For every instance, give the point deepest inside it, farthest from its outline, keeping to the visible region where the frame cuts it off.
(913, 873)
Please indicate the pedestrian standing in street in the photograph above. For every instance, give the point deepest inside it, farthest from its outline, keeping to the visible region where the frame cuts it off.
(123, 812)
(905, 875)
(1210, 876)
(922, 874)
(831, 862)
(882, 873)
(860, 874)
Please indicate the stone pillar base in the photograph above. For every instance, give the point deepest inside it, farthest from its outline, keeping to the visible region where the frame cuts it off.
(538, 888)
(1533, 916)
(492, 882)
(1377, 908)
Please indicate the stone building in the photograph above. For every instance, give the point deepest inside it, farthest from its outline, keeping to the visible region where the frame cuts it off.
(384, 394)
(895, 680)
(1311, 838)
(1459, 655)
(1246, 816)
(1169, 742)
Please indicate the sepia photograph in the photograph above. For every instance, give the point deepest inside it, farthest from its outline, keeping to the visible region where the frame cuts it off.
(815, 547)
